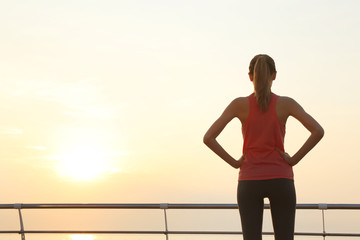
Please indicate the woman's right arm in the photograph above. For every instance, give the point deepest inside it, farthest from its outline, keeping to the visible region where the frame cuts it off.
(216, 128)
(317, 132)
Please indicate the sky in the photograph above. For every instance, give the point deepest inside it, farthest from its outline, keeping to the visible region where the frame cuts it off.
(108, 101)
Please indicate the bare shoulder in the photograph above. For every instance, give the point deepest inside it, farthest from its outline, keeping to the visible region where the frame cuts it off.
(241, 102)
(285, 107)
(287, 103)
(286, 100)
(240, 108)
(291, 108)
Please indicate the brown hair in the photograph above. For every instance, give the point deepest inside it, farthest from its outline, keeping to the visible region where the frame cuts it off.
(262, 67)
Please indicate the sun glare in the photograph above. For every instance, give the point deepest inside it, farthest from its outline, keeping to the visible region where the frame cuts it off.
(86, 155)
(82, 237)
(85, 163)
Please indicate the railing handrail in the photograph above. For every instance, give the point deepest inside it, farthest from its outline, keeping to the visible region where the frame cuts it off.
(163, 206)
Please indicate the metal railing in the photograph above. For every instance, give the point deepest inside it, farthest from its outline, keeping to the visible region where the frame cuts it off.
(164, 206)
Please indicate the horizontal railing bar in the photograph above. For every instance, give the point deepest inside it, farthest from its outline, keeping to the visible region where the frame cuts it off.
(167, 206)
(171, 233)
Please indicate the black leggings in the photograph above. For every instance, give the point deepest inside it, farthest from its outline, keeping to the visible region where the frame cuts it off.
(282, 197)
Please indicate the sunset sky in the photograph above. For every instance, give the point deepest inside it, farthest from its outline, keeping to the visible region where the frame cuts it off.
(108, 101)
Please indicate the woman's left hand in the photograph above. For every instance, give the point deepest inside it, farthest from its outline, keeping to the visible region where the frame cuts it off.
(286, 157)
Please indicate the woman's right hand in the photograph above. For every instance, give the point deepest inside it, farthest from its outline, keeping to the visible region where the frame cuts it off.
(239, 162)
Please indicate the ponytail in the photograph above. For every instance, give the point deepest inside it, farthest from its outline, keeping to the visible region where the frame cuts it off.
(262, 67)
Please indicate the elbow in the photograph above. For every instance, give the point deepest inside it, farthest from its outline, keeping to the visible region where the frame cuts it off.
(320, 132)
(207, 139)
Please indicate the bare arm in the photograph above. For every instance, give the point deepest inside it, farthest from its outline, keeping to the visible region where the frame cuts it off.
(216, 128)
(316, 132)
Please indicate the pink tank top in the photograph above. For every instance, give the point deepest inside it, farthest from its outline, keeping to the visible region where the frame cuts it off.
(262, 133)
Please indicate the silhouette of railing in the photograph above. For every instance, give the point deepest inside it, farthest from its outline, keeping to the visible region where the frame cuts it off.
(164, 206)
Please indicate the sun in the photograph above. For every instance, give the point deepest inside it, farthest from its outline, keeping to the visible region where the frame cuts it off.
(87, 155)
(85, 163)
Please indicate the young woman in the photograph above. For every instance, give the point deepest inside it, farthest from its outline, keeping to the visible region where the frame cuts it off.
(265, 167)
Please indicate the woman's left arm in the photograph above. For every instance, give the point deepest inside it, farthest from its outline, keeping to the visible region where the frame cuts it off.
(317, 132)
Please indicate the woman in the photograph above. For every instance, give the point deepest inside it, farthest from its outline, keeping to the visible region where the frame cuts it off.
(265, 167)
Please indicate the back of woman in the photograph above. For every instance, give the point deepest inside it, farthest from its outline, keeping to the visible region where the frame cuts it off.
(265, 168)
(263, 135)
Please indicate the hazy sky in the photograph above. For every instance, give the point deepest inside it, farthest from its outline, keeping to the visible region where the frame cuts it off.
(108, 101)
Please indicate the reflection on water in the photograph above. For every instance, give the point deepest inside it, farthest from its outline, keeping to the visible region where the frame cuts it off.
(82, 237)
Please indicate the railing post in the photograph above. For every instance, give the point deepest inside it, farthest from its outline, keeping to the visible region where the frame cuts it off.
(165, 206)
(18, 207)
(323, 207)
